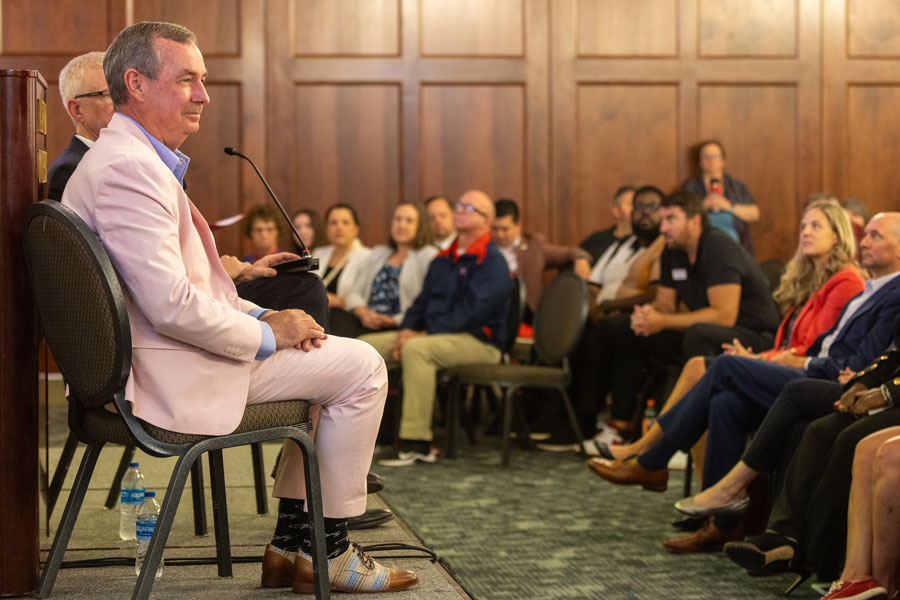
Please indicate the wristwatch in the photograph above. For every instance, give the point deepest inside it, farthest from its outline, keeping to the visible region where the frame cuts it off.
(886, 394)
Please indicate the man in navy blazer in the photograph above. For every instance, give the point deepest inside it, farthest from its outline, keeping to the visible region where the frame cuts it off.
(732, 399)
(85, 97)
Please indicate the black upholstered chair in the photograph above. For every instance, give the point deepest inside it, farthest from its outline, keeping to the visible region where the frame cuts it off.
(81, 308)
(558, 323)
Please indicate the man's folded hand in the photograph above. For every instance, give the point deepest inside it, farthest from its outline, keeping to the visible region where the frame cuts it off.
(293, 328)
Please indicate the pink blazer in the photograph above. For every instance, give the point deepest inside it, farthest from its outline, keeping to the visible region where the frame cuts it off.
(821, 310)
(193, 343)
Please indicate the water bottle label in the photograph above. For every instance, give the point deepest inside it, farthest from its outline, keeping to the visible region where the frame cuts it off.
(145, 530)
(135, 496)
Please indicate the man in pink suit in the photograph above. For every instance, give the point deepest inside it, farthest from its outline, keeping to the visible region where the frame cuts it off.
(200, 353)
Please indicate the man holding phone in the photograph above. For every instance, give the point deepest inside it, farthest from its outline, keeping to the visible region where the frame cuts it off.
(727, 201)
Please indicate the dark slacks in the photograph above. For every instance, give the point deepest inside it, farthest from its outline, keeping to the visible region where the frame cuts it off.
(812, 506)
(289, 290)
(730, 401)
(630, 354)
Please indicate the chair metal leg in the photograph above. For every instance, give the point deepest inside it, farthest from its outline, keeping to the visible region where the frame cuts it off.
(259, 479)
(220, 512)
(524, 437)
(116, 486)
(507, 424)
(67, 523)
(688, 475)
(59, 475)
(315, 513)
(164, 524)
(198, 497)
(572, 419)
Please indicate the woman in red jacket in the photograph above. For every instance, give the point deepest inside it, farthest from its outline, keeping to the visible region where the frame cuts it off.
(820, 278)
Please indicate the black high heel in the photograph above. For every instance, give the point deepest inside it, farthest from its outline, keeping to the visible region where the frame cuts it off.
(801, 577)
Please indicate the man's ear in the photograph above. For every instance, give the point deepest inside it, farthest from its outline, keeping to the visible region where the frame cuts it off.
(74, 110)
(134, 83)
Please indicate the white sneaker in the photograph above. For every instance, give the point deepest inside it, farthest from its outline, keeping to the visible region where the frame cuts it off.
(404, 459)
(607, 436)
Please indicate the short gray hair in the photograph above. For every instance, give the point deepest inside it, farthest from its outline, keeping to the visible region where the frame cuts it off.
(133, 49)
(71, 78)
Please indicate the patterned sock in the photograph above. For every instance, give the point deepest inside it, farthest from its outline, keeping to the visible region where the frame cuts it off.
(336, 538)
(658, 456)
(292, 526)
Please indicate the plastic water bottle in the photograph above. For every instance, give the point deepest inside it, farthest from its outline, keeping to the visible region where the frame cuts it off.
(132, 496)
(650, 414)
(147, 515)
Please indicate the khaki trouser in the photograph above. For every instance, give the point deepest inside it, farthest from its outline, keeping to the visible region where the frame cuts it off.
(420, 359)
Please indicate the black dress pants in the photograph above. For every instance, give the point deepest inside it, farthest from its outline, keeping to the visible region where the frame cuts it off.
(289, 290)
(630, 354)
(812, 506)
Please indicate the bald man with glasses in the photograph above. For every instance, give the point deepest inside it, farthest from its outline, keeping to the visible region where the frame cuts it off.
(86, 99)
(458, 318)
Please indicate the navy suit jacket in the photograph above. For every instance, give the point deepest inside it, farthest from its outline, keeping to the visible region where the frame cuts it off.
(868, 332)
(64, 166)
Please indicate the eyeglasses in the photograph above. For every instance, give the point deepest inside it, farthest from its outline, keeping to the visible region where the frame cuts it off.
(469, 208)
(645, 206)
(100, 94)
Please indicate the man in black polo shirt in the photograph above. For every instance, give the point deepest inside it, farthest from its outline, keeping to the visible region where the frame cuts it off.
(710, 292)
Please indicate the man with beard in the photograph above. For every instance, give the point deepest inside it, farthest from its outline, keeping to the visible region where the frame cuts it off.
(710, 291)
(624, 276)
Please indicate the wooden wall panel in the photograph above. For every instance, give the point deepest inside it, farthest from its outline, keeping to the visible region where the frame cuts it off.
(872, 123)
(214, 179)
(873, 29)
(626, 134)
(345, 147)
(345, 27)
(472, 28)
(52, 27)
(763, 156)
(627, 28)
(473, 136)
(216, 23)
(764, 28)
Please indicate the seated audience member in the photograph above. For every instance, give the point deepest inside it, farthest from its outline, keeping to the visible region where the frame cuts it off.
(458, 318)
(385, 284)
(86, 99)
(529, 256)
(727, 202)
(625, 275)
(710, 292)
(597, 243)
(817, 283)
(309, 225)
(440, 218)
(806, 525)
(342, 254)
(733, 397)
(262, 226)
(200, 354)
(858, 213)
(873, 521)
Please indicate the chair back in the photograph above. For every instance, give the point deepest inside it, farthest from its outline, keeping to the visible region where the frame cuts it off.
(559, 320)
(79, 302)
(515, 314)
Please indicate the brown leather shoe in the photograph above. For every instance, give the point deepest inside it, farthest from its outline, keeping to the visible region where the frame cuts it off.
(708, 538)
(352, 571)
(629, 472)
(277, 569)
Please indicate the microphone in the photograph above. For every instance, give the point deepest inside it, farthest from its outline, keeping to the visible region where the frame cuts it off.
(306, 262)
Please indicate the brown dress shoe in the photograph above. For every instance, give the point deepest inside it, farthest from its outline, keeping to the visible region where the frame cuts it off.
(708, 538)
(629, 472)
(353, 571)
(277, 569)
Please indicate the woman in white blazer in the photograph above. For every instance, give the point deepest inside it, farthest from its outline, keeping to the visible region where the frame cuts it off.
(338, 260)
(384, 285)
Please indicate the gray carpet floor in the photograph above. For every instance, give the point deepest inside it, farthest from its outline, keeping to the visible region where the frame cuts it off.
(96, 536)
(547, 528)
